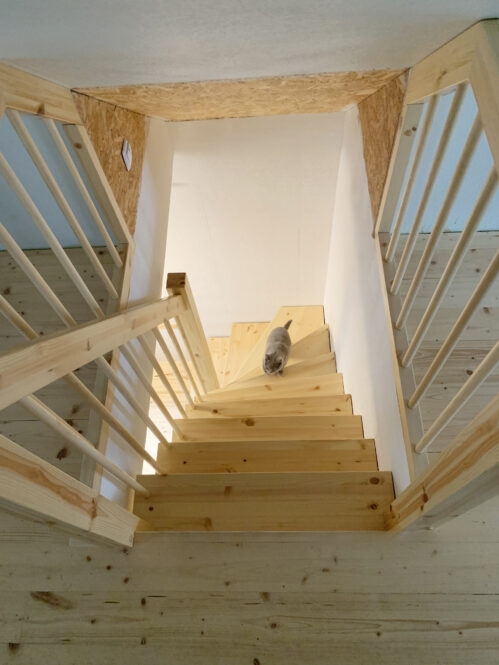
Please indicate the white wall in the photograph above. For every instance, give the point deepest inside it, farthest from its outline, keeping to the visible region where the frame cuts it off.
(354, 309)
(250, 214)
(147, 282)
(120, 42)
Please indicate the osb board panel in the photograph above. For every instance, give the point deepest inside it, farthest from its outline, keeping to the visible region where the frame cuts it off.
(107, 126)
(275, 95)
(243, 599)
(379, 118)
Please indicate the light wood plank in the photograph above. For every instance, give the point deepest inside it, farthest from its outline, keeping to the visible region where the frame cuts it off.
(272, 428)
(463, 476)
(30, 486)
(305, 321)
(28, 369)
(347, 501)
(243, 338)
(192, 332)
(32, 94)
(323, 384)
(316, 405)
(268, 456)
(219, 347)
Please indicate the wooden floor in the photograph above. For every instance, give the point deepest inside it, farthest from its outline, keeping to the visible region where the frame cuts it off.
(424, 598)
(477, 339)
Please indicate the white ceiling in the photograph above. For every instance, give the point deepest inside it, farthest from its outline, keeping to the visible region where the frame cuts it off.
(123, 41)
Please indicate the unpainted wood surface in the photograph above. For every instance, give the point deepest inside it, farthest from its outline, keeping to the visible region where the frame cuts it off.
(272, 428)
(219, 347)
(276, 95)
(379, 118)
(107, 126)
(305, 320)
(316, 405)
(477, 338)
(243, 338)
(421, 598)
(345, 501)
(268, 456)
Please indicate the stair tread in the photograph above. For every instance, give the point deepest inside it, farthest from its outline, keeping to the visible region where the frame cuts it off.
(322, 501)
(219, 348)
(311, 346)
(272, 427)
(243, 338)
(268, 456)
(290, 386)
(314, 405)
(305, 320)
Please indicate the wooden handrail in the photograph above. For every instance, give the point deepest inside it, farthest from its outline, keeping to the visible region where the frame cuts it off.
(191, 329)
(463, 476)
(26, 370)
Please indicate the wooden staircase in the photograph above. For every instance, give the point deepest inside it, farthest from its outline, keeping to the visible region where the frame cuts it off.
(270, 453)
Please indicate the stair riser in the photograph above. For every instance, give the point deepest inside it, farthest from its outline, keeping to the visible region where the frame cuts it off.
(268, 457)
(267, 502)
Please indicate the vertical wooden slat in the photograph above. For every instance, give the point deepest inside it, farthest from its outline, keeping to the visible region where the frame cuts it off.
(428, 189)
(461, 397)
(183, 360)
(453, 337)
(61, 201)
(413, 169)
(78, 180)
(171, 361)
(452, 267)
(439, 224)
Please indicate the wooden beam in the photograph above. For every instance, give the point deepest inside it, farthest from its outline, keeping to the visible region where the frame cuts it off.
(191, 329)
(34, 488)
(32, 94)
(464, 475)
(26, 370)
(274, 95)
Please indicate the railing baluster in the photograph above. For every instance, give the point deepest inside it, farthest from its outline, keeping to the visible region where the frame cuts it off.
(171, 361)
(428, 189)
(413, 169)
(465, 392)
(438, 227)
(149, 387)
(183, 360)
(59, 425)
(23, 196)
(82, 188)
(164, 379)
(453, 337)
(452, 267)
(61, 201)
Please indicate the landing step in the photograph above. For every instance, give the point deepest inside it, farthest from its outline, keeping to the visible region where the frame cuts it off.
(315, 405)
(243, 338)
(324, 384)
(285, 428)
(346, 501)
(268, 456)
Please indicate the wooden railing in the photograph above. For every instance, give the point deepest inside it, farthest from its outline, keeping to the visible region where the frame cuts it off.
(468, 63)
(118, 343)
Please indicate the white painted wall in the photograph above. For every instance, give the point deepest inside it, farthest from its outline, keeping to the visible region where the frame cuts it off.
(250, 213)
(354, 309)
(123, 41)
(147, 283)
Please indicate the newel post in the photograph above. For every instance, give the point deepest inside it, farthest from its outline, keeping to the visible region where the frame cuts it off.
(191, 329)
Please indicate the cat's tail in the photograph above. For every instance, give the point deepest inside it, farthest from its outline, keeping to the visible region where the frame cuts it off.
(286, 325)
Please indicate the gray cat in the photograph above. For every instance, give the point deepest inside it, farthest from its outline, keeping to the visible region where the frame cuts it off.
(277, 350)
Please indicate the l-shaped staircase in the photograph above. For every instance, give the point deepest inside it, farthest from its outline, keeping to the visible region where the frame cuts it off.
(270, 453)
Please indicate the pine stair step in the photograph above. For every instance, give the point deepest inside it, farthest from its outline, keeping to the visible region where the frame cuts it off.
(243, 338)
(336, 501)
(270, 428)
(317, 343)
(268, 456)
(305, 321)
(315, 405)
(219, 348)
(323, 364)
(326, 384)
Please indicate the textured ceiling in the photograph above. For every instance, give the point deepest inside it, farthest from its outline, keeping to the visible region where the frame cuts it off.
(118, 42)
